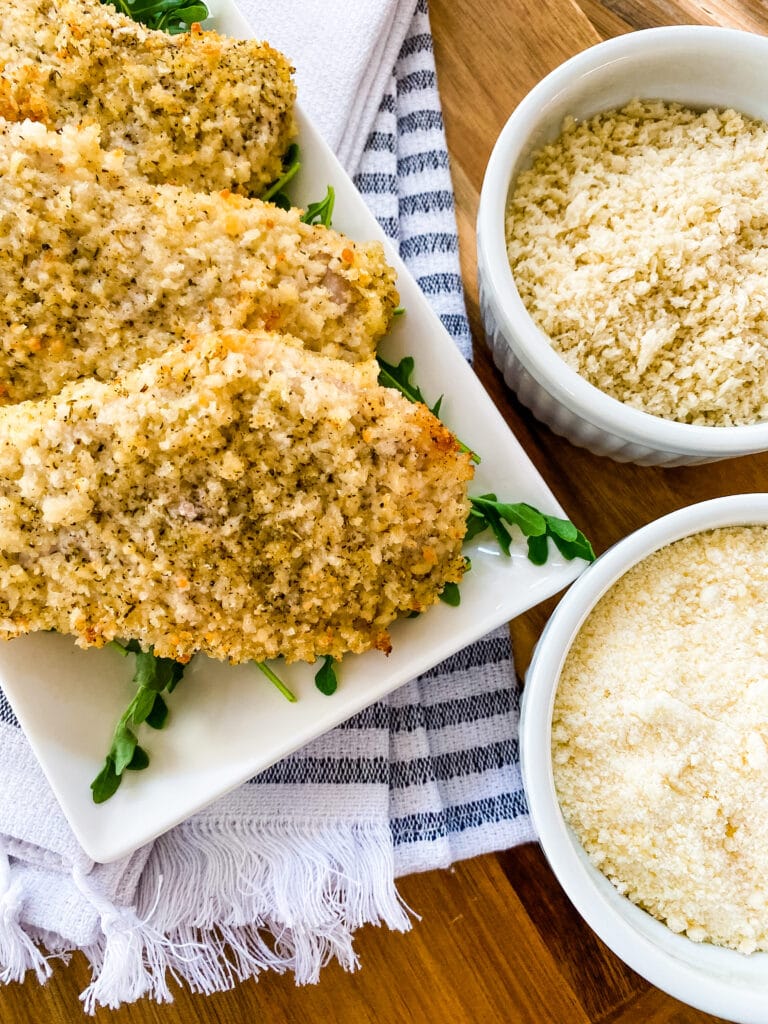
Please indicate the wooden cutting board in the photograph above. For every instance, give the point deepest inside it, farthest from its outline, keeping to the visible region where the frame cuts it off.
(497, 940)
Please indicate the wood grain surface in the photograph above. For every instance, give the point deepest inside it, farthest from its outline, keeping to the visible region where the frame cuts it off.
(497, 941)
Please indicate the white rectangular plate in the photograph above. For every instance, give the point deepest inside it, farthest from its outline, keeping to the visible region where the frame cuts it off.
(229, 723)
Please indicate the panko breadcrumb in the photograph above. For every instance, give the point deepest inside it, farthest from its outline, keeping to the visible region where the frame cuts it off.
(660, 736)
(639, 245)
(238, 496)
(100, 270)
(197, 109)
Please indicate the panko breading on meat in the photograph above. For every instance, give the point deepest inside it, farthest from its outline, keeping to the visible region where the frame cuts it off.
(100, 270)
(238, 496)
(197, 109)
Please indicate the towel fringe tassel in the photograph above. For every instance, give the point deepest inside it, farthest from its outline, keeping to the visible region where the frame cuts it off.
(221, 902)
(277, 895)
(18, 951)
(131, 958)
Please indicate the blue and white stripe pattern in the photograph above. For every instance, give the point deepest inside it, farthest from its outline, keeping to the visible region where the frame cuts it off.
(455, 786)
(7, 716)
(405, 179)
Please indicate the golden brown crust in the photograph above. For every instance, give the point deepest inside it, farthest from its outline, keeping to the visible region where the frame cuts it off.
(238, 496)
(91, 256)
(197, 109)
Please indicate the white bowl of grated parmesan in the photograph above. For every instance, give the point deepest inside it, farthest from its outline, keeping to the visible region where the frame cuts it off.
(644, 746)
(623, 247)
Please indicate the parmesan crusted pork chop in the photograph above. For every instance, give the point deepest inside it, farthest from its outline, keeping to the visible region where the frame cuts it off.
(238, 496)
(100, 270)
(197, 109)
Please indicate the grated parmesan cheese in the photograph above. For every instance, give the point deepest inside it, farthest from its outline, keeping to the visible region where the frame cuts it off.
(660, 736)
(639, 245)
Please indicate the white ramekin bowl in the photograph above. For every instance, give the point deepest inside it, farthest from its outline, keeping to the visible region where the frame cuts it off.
(698, 66)
(710, 978)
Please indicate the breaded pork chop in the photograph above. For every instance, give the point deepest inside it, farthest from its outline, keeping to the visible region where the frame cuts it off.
(197, 109)
(100, 270)
(238, 496)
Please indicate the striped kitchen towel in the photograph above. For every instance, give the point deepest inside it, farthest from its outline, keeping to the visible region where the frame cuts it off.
(454, 777)
(280, 873)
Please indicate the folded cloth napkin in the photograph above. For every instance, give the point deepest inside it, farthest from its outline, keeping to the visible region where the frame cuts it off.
(344, 53)
(280, 873)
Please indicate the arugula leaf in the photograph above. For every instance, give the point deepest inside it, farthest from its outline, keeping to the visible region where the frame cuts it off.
(325, 677)
(124, 743)
(151, 676)
(500, 532)
(106, 782)
(538, 549)
(579, 548)
(276, 681)
(562, 528)
(143, 703)
(176, 674)
(171, 16)
(399, 378)
(488, 513)
(155, 673)
(291, 165)
(529, 519)
(476, 523)
(320, 212)
(139, 761)
(158, 716)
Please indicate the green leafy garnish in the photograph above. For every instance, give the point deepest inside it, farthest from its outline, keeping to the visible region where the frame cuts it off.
(106, 782)
(158, 716)
(325, 677)
(451, 595)
(399, 378)
(171, 16)
(275, 193)
(152, 675)
(398, 311)
(139, 761)
(487, 513)
(321, 212)
(276, 681)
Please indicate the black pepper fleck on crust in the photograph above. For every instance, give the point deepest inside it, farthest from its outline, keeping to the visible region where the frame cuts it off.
(238, 496)
(99, 269)
(197, 109)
